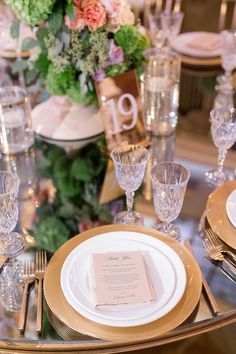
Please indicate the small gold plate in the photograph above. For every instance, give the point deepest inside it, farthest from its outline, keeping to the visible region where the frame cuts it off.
(217, 215)
(71, 325)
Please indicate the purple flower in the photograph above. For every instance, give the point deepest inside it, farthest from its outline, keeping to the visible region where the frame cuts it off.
(99, 75)
(116, 54)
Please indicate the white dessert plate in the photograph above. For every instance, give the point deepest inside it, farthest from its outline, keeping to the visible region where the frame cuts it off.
(231, 207)
(198, 44)
(165, 266)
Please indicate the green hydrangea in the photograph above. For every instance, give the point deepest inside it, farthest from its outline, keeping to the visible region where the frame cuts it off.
(74, 93)
(59, 83)
(32, 12)
(130, 39)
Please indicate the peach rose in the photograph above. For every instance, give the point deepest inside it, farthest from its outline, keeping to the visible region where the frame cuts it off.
(78, 23)
(77, 3)
(127, 17)
(94, 14)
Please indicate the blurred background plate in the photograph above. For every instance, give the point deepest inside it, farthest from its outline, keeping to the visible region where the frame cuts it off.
(198, 44)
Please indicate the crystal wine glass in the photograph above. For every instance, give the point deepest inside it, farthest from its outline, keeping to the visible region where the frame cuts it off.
(11, 243)
(169, 182)
(228, 53)
(157, 34)
(130, 164)
(223, 131)
(171, 24)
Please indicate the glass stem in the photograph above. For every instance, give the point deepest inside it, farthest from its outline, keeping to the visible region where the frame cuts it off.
(129, 201)
(221, 159)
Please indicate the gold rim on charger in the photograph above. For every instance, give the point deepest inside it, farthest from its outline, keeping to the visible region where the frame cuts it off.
(71, 325)
(217, 215)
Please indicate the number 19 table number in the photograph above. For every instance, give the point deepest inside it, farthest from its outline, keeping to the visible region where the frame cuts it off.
(120, 107)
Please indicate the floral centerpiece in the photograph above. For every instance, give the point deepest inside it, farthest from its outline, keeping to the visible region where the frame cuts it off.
(79, 42)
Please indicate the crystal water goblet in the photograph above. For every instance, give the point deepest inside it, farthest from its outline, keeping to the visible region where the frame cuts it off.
(228, 53)
(169, 182)
(11, 243)
(223, 131)
(130, 164)
(171, 24)
(158, 36)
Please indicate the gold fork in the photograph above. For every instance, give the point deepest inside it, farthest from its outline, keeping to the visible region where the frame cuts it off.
(28, 278)
(219, 245)
(215, 254)
(40, 267)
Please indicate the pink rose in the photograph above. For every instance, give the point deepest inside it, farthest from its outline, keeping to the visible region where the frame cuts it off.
(94, 14)
(118, 13)
(112, 7)
(78, 23)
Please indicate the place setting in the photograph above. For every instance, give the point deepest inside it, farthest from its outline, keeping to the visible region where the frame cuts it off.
(95, 301)
(121, 281)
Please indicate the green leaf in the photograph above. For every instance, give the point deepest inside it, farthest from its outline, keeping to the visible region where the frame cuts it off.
(68, 210)
(41, 34)
(44, 167)
(82, 170)
(68, 187)
(51, 233)
(29, 43)
(15, 29)
(70, 10)
(19, 65)
(55, 21)
(41, 64)
(31, 76)
(55, 152)
(62, 167)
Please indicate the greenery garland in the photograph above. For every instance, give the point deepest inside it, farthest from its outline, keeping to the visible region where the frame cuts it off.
(78, 180)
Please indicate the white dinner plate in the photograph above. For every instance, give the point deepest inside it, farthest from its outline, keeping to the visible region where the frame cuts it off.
(231, 207)
(183, 44)
(166, 269)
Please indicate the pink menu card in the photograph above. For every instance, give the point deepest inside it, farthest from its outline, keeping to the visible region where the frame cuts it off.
(121, 278)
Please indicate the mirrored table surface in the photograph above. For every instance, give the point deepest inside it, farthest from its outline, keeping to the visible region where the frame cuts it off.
(198, 154)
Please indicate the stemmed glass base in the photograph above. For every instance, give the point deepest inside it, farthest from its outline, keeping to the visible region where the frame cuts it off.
(216, 177)
(170, 230)
(12, 245)
(126, 217)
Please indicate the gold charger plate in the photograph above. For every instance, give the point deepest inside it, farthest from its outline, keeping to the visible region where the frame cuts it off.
(71, 325)
(217, 215)
(197, 61)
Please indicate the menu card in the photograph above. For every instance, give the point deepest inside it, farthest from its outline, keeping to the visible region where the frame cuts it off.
(121, 278)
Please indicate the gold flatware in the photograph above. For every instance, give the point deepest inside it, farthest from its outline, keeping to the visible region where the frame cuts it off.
(28, 279)
(207, 291)
(214, 254)
(40, 267)
(220, 246)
